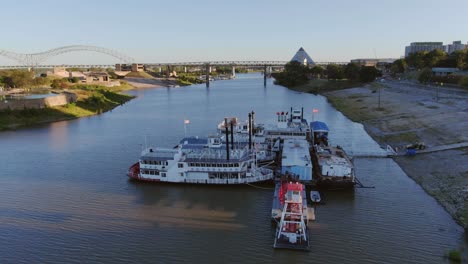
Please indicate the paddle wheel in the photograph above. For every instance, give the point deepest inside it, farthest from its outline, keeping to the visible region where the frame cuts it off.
(292, 232)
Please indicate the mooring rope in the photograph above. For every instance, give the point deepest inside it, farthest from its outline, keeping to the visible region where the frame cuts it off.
(264, 188)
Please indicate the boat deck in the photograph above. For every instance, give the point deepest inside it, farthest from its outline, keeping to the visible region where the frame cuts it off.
(284, 244)
(277, 207)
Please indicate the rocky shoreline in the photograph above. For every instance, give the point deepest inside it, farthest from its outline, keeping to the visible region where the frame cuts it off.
(397, 114)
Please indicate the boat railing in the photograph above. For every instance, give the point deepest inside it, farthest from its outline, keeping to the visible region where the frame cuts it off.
(257, 178)
(223, 169)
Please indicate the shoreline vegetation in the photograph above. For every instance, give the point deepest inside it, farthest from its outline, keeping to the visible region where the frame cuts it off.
(91, 100)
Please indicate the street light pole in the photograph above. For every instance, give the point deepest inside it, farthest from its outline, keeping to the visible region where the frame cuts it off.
(379, 97)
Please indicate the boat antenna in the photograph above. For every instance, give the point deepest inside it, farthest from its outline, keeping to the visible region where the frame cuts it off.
(250, 132)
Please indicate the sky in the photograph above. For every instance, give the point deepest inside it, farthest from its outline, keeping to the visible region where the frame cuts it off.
(206, 30)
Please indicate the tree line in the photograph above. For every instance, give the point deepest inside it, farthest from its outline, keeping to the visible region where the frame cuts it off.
(424, 61)
(429, 59)
(295, 73)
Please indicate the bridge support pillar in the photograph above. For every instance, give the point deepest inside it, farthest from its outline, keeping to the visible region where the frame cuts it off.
(185, 69)
(233, 71)
(207, 75)
(168, 71)
(264, 75)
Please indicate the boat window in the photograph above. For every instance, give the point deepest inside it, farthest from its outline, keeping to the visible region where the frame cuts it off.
(180, 165)
(156, 172)
(182, 174)
(163, 174)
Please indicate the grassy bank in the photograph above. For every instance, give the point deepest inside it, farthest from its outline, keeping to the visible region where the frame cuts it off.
(318, 86)
(91, 100)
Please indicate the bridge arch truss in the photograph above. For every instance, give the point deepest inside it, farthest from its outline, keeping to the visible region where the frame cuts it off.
(35, 59)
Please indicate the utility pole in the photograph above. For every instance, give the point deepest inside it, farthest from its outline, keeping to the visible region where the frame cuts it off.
(379, 97)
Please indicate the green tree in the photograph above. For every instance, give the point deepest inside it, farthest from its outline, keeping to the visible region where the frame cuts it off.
(416, 59)
(335, 72)
(17, 78)
(425, 75)
(433, 57)
(317, 71)
(40, 81)
(351, 71)
(368, 73)
(399, 66)
(461, 58)
(294, 74)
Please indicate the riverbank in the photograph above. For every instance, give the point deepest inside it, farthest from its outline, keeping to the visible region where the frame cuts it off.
(91, 100)
(141, 83)
(408, 113)
(317, 86)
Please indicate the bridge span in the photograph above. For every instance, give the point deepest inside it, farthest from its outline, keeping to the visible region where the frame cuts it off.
(35, 60)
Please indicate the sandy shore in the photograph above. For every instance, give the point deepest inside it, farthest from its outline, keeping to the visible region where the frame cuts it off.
(150, 83)
(411, 112)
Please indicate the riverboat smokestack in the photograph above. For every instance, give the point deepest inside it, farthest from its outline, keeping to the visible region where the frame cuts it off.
(302, 114)
(252, 127)
(290, 115)
(232, 134)
(250, 131)
(227, 138)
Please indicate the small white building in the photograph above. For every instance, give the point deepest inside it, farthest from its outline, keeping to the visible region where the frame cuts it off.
(443, 71)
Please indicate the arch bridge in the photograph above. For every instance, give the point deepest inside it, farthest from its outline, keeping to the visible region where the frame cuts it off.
(35, 59)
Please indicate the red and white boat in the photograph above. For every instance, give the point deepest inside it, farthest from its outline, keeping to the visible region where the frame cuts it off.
(292, 231)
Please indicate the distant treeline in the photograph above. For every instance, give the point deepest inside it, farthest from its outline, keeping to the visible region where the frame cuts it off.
(429, 59)
(426, 60)
(295, 73)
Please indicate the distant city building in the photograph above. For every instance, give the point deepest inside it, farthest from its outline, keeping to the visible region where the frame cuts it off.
(302, 57)
(423, 46)
(96, 77)
(373, 62)
(456, 45)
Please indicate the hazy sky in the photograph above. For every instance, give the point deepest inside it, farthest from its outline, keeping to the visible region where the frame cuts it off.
(199, 30)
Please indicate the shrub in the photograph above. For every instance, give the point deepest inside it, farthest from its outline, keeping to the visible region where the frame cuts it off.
(454, 255)
(464, 82)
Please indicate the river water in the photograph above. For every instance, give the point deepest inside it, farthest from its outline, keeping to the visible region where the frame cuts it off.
(65, 197)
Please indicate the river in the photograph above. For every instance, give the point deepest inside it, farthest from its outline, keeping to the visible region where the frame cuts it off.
(65, 197)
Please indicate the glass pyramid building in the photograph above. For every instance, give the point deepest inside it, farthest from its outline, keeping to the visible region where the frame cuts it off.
(302, 57)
